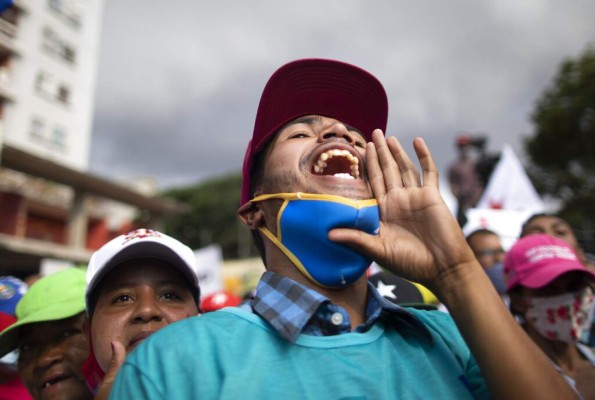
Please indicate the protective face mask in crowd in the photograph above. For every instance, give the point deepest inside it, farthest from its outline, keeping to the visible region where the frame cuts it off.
(303, 223)
(562, 317)
(496, 275)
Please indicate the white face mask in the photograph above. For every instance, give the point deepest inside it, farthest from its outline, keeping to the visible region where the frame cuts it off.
(562, 317)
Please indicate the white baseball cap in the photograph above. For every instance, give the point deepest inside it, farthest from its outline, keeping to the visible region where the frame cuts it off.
(141, 243)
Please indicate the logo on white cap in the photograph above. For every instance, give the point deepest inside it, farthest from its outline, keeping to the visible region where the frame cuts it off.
(140, 234)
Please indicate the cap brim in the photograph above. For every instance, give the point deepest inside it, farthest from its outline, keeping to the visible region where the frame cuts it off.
(546, 274)
(143, 249)
(10, 336)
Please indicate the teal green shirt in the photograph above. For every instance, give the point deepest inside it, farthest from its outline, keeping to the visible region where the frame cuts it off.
(234, 354)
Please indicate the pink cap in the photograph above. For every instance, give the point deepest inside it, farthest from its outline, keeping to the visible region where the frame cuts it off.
(315, 87)
(536, 260)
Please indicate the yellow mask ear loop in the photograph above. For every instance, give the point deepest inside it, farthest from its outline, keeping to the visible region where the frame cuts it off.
(315, 196)
(277, 240)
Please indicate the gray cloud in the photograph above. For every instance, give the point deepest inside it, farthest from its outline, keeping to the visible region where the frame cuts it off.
(178, 85)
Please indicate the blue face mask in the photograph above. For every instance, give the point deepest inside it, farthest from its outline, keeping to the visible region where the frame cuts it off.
(496, 275)
(303, 223)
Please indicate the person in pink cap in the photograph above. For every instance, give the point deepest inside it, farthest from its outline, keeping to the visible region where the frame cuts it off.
(551, 294)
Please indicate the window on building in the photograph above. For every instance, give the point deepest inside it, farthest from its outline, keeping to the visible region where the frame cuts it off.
(68, 53)
(44, 84)
(55, 45)
(70, 10)
(37, 130)
(63, 94)
(47, 87)
(58, 139)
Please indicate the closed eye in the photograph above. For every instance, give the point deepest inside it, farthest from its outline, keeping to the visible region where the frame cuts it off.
(299, 135)
(359, 143)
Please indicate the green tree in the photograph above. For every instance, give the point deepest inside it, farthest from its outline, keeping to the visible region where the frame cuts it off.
(562, 149)
(212, 219)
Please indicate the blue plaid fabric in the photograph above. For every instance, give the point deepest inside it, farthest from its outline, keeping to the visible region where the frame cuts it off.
(293, 309)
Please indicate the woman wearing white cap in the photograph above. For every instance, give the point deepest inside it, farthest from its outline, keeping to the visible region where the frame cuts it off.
(136, 284)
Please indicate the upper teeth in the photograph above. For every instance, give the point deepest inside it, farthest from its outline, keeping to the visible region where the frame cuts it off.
(47, 384)
(322, 162)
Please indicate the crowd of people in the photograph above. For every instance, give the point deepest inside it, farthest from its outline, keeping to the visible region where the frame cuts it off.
(325, 195)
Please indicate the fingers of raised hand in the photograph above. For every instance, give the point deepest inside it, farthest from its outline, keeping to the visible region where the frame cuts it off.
(390, 167)
(428, 167)
(383, 170)
(409, 173)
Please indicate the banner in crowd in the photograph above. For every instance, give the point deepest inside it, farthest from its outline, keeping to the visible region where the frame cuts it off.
(209, 260)
(508, 200)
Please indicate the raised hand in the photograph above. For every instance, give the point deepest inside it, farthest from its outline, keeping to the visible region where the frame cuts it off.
(118, 356)
(419, 238)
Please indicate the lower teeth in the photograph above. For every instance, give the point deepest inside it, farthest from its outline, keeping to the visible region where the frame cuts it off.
(344, 176)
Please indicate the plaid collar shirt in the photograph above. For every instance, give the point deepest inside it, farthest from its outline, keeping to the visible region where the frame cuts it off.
(293, 309)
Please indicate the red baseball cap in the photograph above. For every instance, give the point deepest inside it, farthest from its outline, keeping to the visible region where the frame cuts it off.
(218, 300)
(316, 86)
(536, 260)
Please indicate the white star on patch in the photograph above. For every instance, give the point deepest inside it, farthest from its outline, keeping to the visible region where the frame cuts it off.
(386, 290)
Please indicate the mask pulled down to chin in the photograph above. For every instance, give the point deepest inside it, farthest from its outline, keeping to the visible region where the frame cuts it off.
(303, 223)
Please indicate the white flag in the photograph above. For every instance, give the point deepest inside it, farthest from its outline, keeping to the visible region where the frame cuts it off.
(509, 187)
(506, 223)
(209, 260)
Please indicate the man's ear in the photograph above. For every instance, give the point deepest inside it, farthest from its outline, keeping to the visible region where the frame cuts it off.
(251, 215)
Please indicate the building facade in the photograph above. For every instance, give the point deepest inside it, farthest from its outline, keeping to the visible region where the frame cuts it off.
(50, 207)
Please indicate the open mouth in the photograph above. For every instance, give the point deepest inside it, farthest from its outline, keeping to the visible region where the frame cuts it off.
(54, 380)
(337, 163)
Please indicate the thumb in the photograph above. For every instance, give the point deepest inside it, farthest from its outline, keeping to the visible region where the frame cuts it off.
(118, 356)
(359, 241)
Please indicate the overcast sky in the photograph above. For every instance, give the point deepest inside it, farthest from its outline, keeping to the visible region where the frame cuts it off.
(179, 81)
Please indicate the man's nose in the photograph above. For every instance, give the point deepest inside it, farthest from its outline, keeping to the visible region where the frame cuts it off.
(50, 354)
(337, 130)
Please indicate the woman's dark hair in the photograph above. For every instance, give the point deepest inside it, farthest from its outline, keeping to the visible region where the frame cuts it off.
(532, 218)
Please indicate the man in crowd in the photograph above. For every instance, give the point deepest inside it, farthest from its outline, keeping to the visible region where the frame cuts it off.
(325, 195)
(488, 249)
(50, 337)
(551, 293)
